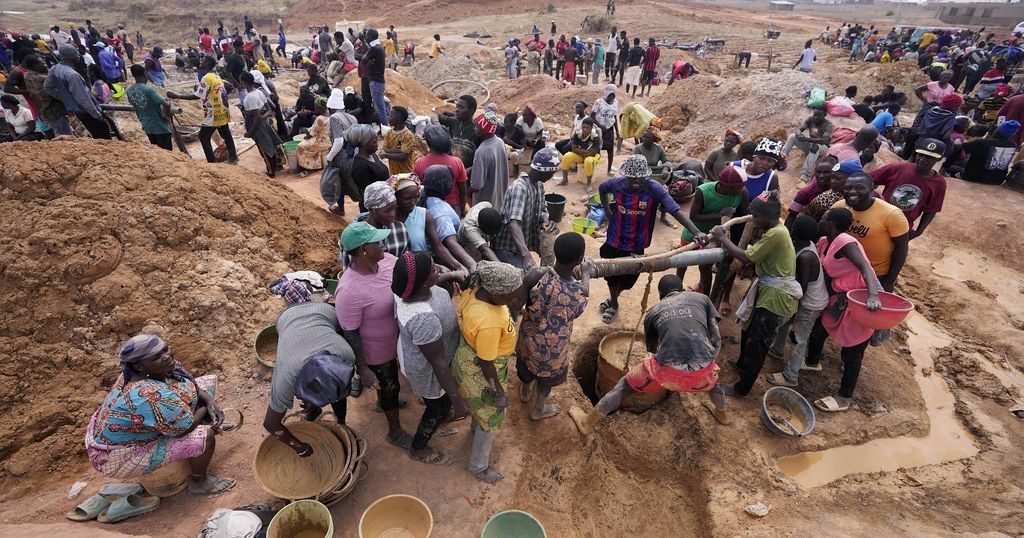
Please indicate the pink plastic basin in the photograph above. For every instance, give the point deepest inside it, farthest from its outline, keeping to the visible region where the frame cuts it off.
(894, 309)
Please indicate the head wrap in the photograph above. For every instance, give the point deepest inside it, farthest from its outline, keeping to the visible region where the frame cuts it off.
(768, 147)
(337, 99)
(496, 277)
(635, 166)
(438, 139)
(378, 194)
(1002, 90)
(437, 181)
(403, 181)
(410, 272)
(734, 133)
(1008, 128)
(487, 122)
(291, 291)
(530, 107)
(730, 177)
(849, 166)
(324, 379)
(359, 134)
(952, 101)
(608, 90)
(492, 108)
(546, 160)
(140, 347)
(259, 80)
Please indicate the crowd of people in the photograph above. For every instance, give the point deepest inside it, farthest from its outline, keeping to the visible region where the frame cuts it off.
(445, 276)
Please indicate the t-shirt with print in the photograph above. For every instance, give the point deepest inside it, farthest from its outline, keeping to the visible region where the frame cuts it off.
(875, 228)
(687, 327)
(19, 122)
(587, 144)
(912, 193)
(211, 92)
(988, 159)
(774, 255)
(631, 221)
(489, 329)
(605, 113)
(365, 303)
(421, 323)
(147, 104)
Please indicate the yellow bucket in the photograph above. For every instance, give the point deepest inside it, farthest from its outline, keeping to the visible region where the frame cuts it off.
(302, 519)
(167, 481)
(396, 516)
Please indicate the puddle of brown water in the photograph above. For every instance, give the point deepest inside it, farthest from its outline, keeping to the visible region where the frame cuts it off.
(1001, 282)
(947, 439)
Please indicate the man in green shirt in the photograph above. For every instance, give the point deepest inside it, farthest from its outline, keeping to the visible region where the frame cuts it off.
(773, 296)
(151, 108)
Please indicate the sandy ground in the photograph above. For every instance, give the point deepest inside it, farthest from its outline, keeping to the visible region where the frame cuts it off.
(928, 450)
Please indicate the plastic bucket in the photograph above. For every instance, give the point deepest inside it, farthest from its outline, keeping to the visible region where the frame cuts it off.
(513, 523)
(396, 516)
(167, 481)
(265, 346)
(293, 162)
(289, 146)
(611, 358)
(556, 206)
(583, 225)
(302, 519)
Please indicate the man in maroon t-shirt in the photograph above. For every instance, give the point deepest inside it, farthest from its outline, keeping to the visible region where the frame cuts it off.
(916, 188)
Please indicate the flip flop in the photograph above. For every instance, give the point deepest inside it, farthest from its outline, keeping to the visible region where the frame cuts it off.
(232, 426)
(779, 380)
(829, 404)
(404, 441)
(604, 305)
(89, 509)
(609, 314)
(811, 367)
(126, 507)
(438, 458)
(220, 486)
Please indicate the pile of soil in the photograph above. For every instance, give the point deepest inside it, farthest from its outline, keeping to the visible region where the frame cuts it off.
(449, 67)
(100, 240)
(870, 77)
(553, 101)
(758, 105)
(402, 91)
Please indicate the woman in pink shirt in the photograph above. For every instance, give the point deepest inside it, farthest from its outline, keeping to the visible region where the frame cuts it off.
(366, 312)
(846, 264)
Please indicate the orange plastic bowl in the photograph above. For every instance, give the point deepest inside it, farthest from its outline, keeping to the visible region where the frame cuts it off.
(894, 309)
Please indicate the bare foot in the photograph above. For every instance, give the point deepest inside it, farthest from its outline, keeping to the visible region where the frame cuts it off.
(720, 414)
(526, 391)
(489, 475)
(580, 419)
(549, 411)
(669, 223)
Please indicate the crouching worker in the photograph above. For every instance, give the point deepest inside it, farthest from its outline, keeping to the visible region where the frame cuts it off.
(683, 341)
(314, 363)
(156, 414)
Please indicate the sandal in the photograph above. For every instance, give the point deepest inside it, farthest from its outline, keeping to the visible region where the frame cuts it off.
(816, 367)
(779, 380)
(724, 309)
(404, 441)
(232, 426)
(126, 507)
(438, 458)
(609, 314)
(829, 404)
(89, 509)
(220, 485)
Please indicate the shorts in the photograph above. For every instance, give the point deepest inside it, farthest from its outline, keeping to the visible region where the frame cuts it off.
(649, 375)
(622, 282)
(650, 75)
(632, 75)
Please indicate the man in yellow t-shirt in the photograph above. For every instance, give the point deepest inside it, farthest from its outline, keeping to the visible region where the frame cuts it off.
(880, 227)
(435, 47)
(926, 39)
(216, 114)
(391, 52)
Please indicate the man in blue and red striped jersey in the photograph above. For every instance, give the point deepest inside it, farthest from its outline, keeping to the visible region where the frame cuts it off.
(650, 66)
(637, 199)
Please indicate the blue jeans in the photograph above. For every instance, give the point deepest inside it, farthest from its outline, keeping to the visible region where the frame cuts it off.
(377, 92)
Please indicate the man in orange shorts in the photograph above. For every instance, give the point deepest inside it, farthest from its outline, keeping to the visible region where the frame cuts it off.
(682, 337)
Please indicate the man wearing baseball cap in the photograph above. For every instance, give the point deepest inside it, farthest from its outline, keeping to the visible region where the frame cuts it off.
(637, 200)
(988, 159)
(915, 187)
(525, 212)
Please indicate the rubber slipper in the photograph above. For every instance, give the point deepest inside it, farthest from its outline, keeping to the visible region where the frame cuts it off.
(605, 304)
(219, 486)
(232, 426)
(438, 458)
(126, 507)
(404, 441)
(811, 367)
(829, 404)
(609, 314)
(89, 509)
(779, 380)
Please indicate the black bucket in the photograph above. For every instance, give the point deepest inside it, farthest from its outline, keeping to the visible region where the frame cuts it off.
(556, 206)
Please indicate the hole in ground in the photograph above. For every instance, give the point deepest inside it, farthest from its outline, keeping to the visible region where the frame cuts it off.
(586, 368)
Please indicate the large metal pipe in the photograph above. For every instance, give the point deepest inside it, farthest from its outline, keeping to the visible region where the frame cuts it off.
(632, 266)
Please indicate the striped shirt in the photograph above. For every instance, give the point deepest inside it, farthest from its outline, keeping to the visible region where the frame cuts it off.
(651, 58)
(631, 222)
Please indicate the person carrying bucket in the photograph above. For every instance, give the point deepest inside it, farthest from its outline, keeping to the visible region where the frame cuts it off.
(683, 340)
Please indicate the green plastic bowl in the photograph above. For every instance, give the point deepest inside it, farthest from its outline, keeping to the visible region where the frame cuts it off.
(583, 225)
(513, 524)
(264, 339)
(330, 285)
(289, 147)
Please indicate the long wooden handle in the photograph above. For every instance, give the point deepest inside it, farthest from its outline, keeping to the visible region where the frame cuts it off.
(691, 246)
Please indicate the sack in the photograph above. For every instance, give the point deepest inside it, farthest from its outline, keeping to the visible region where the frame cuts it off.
(221, 153)
(816, 98)
(840, 106)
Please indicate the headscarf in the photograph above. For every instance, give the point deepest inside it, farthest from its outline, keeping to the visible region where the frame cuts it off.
(487, 122)
(952, 101)
(324, 379)
(730, 177)
(438, 139)
(546, 160)
(1008, 128)
(635, 166)
(410, 272)
(437, 182)
(768, 147)
(497, 278)
(359, 134)
(403, 181)
(259, 80)
(140, 347)
(530, 107)
(378, 194)
(608, 90)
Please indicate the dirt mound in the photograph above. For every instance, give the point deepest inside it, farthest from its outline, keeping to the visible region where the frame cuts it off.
(100, 240)
(402, 91)
(705, 106)
(870, 77)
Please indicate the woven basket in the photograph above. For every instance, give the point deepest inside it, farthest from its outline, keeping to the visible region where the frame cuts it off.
(355, 469)
(282, 473)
